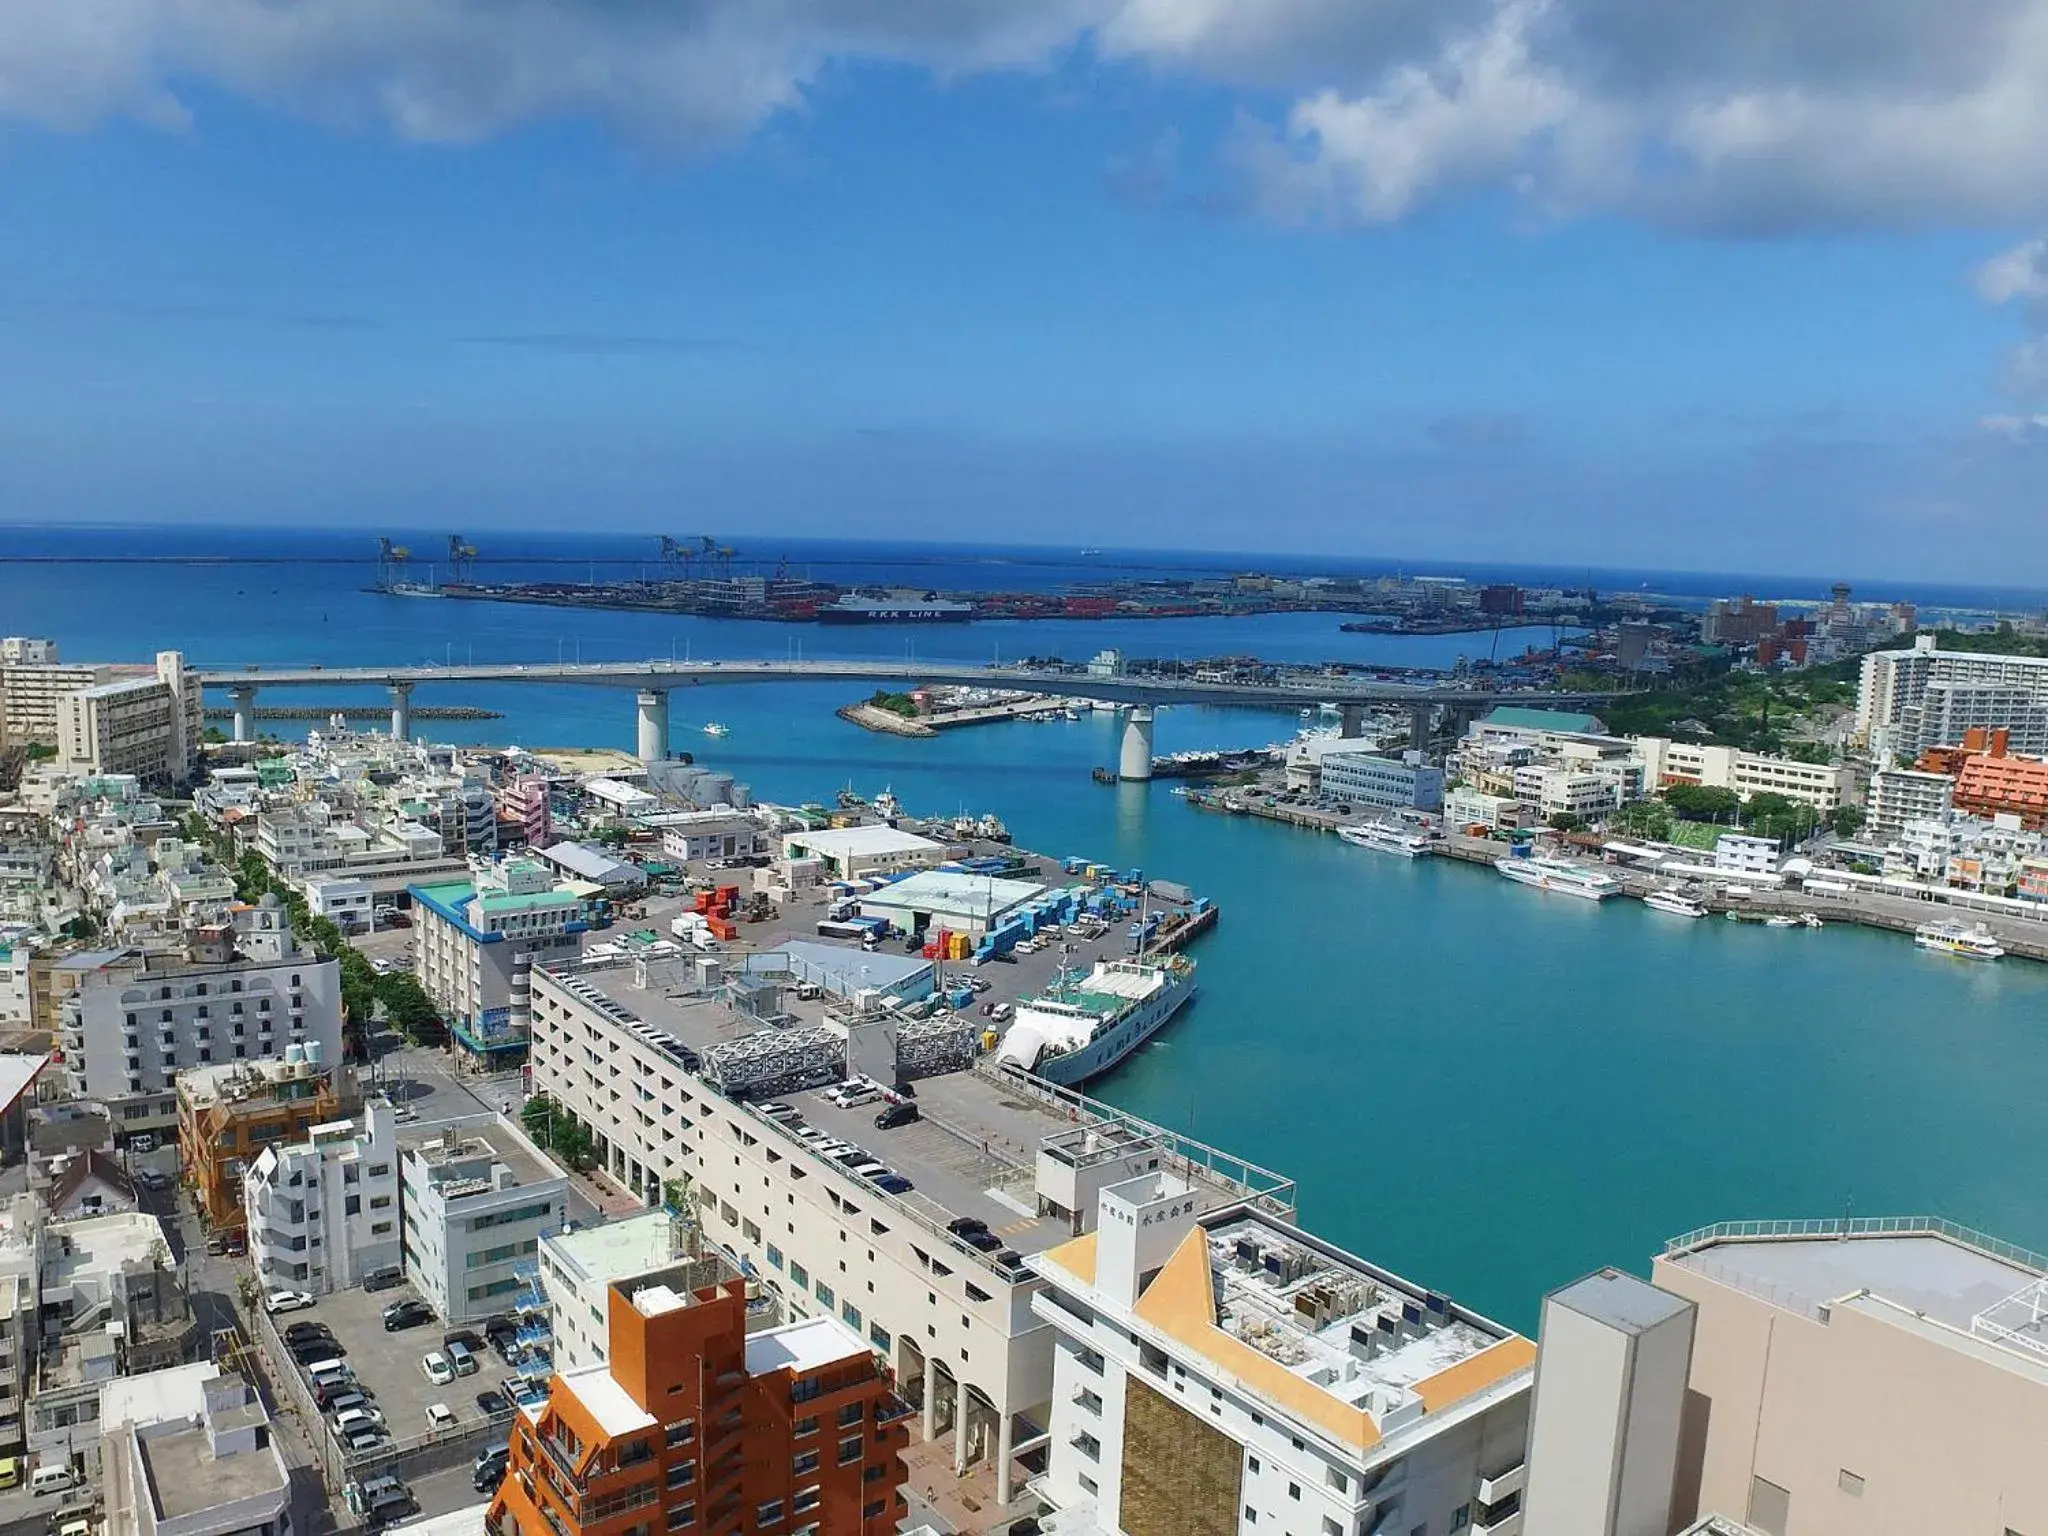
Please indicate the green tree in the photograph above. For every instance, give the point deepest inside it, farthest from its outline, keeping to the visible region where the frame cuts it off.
(1644, 818)
(1703, 802)
(1566, 821)
(1846, 820)
(409, 1006)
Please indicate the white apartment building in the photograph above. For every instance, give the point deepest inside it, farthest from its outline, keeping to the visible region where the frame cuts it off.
(341, 899)
(189, 1451)
(476, 943)
(688, 836)
(1900, 795)
(25, 651)
(1223, 1371)
(323, 1213)
(578, 1268)
(1967, 853)
(1824, 786)
(147, 726)
(1559, 792)
(1911, 700)
(475, 1200)
(1465, 807)
(1740, 854)
(623, 1048)
(132, 1020)
(1366, 780)
(30, 692)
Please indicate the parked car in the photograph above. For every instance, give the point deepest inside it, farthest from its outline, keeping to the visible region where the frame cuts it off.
(275, 1302)
(462, 1358)
(406, 1314)
(301, 1331)
(894, 1184)
(463, 1336)
(436, 1368)
(383, 1279)
(895, 1115)
(366, 1437)
(489, 1470)
(960, 1226)
(311, 1351)
(154, 1180)
(142, 1143)
(440, 1416)
(493, 1403)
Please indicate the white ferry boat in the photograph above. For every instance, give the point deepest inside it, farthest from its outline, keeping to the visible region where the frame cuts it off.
(1675, 904)
(1085, 1025)
(715, 728)
(1954, 939)
(1559, 875)
(1388, 837)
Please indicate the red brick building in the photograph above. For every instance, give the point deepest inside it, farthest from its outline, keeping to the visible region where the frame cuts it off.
(695, 1426)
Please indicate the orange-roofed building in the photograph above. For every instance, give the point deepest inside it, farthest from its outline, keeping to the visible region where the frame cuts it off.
(693, 1425)
(2016, 786)
(1223, 1372)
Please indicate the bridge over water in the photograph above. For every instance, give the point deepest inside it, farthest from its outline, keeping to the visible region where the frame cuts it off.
(654, 681)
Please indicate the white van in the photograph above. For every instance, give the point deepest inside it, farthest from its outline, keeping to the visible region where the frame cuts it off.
(356, 1418)
(57, 1479)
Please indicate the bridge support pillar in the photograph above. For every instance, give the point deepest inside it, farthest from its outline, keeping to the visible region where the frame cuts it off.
(401, 711)
(1351, 720)
(1420, 719)
(653, 724)
(245, 712)
(1135, 761)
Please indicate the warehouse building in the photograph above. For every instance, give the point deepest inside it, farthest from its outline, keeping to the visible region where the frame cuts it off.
(954, 901)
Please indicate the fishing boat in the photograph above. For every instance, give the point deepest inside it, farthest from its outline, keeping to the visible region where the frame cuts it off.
(1781, 920)
(1560, 875)
(714, 728)
(1082, 1026)
(887, 806)
(1388, 837)
(1673, 903)
(1954, 939)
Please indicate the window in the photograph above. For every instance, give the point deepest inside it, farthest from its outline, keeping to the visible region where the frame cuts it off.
(1088, 1446)
(1092, 1401)
(679, 1433)
(878, 1336)
(1461, 1517)
(851, 1314)
(798, 1273)
(806, 1462)
(805, 1427)
(1294, 1492)
(1331, 1527)
(682, 1474)
(849, 1449)
(825, 1295)
(1253, 1462)
(850, 1415)
(1337, 1480)
(774, 1257)
(1089, 1359)
(1849, 1482)
(1088, 1483)
(1251, 1516)
(805, 1501)
(682, 1515)
(769, 1513)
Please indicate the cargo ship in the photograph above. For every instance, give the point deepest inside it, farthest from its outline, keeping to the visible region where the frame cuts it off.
(1081, 1028)
(893, 608)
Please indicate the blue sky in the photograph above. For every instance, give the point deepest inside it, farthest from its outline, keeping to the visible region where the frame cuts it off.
(1525, 280)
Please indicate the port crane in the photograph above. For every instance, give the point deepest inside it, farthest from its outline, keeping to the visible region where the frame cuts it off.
(461, 560)
(683, 555)
(391, 563)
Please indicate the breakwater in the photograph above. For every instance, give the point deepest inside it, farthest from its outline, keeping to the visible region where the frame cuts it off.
(359, 712)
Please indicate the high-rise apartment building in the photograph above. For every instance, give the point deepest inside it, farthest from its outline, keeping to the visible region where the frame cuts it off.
(478, 941)
(695, 1425)
(1911, 700)
(147, 726)
(323, 1212)
(1222, 1372)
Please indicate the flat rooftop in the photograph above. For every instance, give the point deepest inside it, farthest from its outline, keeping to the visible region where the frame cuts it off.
(615, 1250)
(1946, 1272)
(102, 1244)
(950, 893)
(1362, 1335)
(608, 1403)
(804, 1346)
(482, 1141)
(185, 1476)
(860, 842)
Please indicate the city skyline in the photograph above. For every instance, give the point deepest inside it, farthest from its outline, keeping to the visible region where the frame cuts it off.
(1523, 277)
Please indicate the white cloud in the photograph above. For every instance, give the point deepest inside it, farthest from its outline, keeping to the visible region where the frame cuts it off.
(1739, 115)
(2020, 273)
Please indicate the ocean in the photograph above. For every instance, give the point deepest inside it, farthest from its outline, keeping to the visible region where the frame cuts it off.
(1488, 1089)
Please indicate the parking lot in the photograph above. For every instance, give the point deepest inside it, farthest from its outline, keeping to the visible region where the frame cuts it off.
(388, 1364)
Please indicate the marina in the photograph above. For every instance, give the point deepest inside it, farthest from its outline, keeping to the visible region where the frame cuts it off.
(1564, 876)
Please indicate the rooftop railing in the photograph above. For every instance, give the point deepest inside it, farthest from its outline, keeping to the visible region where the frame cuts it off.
(1847, 1227)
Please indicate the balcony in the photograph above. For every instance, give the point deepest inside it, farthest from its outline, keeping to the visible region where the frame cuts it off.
(1500, 1525)
(1502, 1485)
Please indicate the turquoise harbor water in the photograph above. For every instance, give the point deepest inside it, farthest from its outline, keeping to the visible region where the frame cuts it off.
(1487, 1088)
